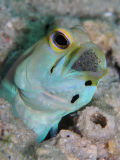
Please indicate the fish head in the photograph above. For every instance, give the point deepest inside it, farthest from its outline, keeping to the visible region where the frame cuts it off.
(65, 65)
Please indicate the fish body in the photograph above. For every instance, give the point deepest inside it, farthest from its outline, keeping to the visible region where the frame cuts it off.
(56, 76)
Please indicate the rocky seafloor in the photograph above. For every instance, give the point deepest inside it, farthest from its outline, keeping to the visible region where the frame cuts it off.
(92, 133)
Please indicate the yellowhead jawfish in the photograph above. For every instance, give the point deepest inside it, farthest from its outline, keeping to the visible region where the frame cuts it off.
(56, 76)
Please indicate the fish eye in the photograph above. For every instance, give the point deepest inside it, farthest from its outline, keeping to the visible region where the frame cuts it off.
(60, 40)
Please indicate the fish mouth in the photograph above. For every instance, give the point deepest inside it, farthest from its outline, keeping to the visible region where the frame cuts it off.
(86, 61)
(86, 57)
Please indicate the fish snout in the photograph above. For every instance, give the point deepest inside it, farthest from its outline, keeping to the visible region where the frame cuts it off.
(87, 62)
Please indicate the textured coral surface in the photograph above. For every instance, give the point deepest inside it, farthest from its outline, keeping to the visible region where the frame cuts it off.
(92, 133)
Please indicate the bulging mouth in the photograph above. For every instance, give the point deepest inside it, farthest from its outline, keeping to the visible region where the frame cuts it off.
(86, 61)
(87, 57)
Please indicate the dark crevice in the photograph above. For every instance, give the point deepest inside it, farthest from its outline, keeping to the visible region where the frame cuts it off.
(117, 67)
(111, 62)
(109, 57)
(98, 118)
(66, 122)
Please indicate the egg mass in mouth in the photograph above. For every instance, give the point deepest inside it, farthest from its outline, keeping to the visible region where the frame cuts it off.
(88, 61)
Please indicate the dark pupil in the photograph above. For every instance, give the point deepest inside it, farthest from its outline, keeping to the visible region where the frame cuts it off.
(60, 40)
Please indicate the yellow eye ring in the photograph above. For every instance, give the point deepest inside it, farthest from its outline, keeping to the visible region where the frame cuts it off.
(60, 40)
